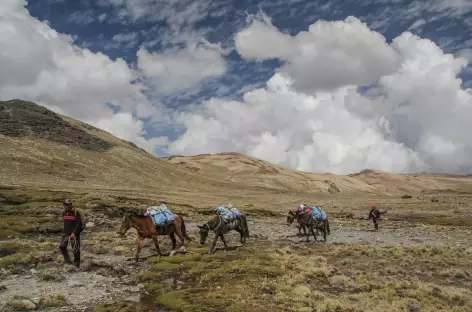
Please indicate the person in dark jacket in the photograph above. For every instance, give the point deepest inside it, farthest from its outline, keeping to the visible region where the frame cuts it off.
(71, 232)
(374, 214)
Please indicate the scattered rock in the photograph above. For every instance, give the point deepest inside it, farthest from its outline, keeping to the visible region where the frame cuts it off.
(89, 225)
(434, 200)
(339, 281)
(74, 283)
(134, 298)
(333, 189)
(23, 305)
(33, 271)
(436, 291)
(99, 278)
(301, 291)
(134, 289)
(406, 196)
(414, 308)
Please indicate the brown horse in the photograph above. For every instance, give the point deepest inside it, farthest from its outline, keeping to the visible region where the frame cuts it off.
(146, 229)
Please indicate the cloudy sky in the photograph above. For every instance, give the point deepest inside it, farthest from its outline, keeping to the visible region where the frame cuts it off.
(323, 86)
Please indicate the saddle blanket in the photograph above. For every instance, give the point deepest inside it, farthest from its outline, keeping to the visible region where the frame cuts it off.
(161, 214)
(316, 213)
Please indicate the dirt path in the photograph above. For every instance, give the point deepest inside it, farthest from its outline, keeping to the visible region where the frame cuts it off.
(100, 278)
(353, 233)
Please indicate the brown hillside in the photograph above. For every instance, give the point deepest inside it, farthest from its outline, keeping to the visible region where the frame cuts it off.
(240, 168)
(42, 149)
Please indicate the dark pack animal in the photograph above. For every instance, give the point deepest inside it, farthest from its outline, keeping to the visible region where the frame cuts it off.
(306, 221)
(220, 227)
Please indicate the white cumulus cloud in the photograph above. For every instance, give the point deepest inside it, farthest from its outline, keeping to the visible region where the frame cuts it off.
(172, 71)
(39, 64)
(313, 116)
(329, 55)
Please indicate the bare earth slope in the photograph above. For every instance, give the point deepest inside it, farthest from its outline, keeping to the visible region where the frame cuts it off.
(240, 168)
(40, 148)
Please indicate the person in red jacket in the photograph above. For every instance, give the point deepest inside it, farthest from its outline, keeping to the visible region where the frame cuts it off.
(71, 234)
(374, 214)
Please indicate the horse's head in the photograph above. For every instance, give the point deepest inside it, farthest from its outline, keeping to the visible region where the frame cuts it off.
(125, 225)
(204, 230)
(290, 217)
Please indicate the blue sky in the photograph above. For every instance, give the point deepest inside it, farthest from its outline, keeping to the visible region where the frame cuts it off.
(150, 35)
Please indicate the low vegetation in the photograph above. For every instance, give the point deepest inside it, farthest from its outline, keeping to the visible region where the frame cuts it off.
(268, 276)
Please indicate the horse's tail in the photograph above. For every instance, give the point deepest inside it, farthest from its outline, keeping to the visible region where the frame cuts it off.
(184, 230)
(244, 226)
(327, 226)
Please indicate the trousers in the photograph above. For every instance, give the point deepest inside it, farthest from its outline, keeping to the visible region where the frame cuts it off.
(75, 245)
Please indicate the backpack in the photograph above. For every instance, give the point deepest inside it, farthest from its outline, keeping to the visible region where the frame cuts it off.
(83, 219)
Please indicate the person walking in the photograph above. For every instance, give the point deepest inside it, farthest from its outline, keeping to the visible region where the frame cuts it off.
(71, 234)
(374, 214)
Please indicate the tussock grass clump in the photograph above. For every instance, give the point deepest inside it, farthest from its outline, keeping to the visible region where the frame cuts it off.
(49, 301)
(17, 259)
(51, 275)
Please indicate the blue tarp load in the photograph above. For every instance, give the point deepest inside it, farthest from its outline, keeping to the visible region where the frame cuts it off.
(318, 213)
(161, 214)
(225, 213)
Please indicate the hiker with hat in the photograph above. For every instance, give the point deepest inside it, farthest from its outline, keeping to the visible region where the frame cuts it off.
(374, 214)
(73, 226)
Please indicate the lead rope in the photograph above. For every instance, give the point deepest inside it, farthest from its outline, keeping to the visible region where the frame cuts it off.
(217, 227)
(74, 244)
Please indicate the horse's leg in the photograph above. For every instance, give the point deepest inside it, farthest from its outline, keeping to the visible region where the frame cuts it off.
(243, 237)
(180, 234)
(224, 241)
(325, 229)
(240, 230)
(212, 247)
(156, 243)
(140, 244)
(174, 243)
(310, 228)
(313, 233)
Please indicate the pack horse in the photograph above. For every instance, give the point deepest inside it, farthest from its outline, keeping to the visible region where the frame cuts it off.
(226, 219)
(311, 218)
(156, 221)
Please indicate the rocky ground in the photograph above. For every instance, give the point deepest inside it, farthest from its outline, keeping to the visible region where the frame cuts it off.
(108, 274)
